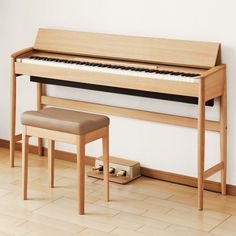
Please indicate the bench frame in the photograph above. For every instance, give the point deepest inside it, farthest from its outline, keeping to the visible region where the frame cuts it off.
(80, 141)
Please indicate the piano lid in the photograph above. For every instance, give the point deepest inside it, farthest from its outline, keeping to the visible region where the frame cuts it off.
(131, 48)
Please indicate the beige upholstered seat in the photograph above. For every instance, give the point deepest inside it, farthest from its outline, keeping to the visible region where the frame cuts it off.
(67, 126)
(67, 121)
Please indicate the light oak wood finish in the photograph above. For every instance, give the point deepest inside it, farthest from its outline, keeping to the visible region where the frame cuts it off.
(25, 149)
(164, 51)
(81, 172)
(80, 141)
(120, 81)
(128, 112)
(214, 169)
(223, 135)
(148, 172)
(18, 137)
(13, 113)
(13, 81)
(39, 107)
(201, 143)
(177, 55)
(214, 84)
(22, 52)
(186, 180)
(51, 156)
(105, 147)
(55, 214)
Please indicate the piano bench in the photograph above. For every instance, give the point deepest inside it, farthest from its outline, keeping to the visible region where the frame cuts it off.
(71, 127)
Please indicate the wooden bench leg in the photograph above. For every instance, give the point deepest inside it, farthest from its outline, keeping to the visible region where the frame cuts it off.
(105, 144)
(80, 172)
(51, 147)
(39, 107)
(25, 142)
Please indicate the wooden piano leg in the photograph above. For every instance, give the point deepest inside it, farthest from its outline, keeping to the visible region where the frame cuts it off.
(39, 107)
(201, 142)
(223, 137)
(13, 113)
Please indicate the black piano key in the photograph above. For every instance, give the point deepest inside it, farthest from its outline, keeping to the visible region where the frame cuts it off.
(128, 68)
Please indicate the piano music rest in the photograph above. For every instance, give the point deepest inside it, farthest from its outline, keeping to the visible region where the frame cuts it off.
(145, 65)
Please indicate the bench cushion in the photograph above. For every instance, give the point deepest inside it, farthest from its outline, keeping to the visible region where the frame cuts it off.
(68, 121)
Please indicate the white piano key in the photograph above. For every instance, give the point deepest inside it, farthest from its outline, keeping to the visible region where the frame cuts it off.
(112, 70)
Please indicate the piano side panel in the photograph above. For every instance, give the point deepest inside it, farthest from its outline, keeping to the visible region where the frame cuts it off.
(133, 48)
(214, 84)
(113, 80)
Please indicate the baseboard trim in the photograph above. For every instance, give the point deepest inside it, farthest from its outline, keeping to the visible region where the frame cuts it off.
(186, 180)
(62, 155)
(156, 174)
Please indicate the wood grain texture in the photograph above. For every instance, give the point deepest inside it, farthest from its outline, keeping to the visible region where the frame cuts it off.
(21, 52)
(51, 156)
(186, 180)
(213, 170)
(201, 142)
(80, 147)
(51, 134)
(144, 207)
(128, 112)
(105, 150)
(39, 107)
(223, 135)
(25, 151)
(153, 173)
(214, 83)
(108, 79)
(12, 112)
(164, 51)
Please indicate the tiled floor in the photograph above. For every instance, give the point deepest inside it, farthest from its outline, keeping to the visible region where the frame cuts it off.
(143, 207)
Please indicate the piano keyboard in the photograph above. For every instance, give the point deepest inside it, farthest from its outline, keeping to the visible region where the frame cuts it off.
(113, 69)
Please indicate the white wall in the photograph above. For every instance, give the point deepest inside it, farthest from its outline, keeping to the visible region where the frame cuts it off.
(155, 145)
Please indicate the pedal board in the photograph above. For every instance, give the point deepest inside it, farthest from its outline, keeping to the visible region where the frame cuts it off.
(122, 171)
